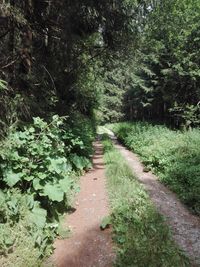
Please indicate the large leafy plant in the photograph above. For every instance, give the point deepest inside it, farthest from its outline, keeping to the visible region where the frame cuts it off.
(35, 161)
(38, 160)
(38, 167)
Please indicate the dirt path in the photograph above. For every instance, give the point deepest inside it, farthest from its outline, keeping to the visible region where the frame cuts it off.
(88, 246)
(185, 226)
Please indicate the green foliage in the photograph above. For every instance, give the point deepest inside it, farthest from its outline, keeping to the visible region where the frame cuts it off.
(166, 65)
(3, 85)
(60, 77)
(105, 222)
(34, 160)
(81, 133)
(25, 235)
(113, 82)
(141, 235)
(38, 169)
(187, 115)
(107, 56)
(173, 155)
(107, 145)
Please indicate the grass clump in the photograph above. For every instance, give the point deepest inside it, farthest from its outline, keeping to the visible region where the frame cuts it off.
(142, 237)
(173, 155)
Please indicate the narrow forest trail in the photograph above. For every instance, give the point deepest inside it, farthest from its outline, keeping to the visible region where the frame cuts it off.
(185, 226)
(88, 246)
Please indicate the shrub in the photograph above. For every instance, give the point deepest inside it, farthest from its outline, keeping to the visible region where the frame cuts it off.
(39, 164)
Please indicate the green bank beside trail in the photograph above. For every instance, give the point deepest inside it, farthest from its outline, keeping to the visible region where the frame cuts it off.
(172, 155)
(142, 238)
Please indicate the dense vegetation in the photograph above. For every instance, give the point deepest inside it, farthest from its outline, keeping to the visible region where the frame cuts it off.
(173, 155)
(39, 168)
(111, 54)
(52, 57)
(140, 233)
(157, 77)
(166, 81)
(66, 66)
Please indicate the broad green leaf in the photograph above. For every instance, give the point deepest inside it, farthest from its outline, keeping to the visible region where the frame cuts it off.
(65, 184)
(12, 178)
(38, 217)
(37, 185)
(63, 232)
(79, 162)
(58, 165)
(41, 175)
(29, 178)
(54, 192)
(30, 201)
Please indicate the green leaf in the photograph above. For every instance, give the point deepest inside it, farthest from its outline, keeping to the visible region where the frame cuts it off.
(9, 241)
(105, 222)
(38, 217)
(29, 178)
(54, 192)
(3, 85)
(58, 165)
(63, 232)
(36, 184)
(2, 197)
(41, 175)
(30, 201)
(31, 130)
(65, 184)
(79, 162)
(12, 178)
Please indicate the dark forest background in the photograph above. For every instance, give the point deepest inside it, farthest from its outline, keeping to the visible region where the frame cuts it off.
(121, 59)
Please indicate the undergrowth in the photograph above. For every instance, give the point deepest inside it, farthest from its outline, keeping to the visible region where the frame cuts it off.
(141, 235)
(39, 167)
(173, 155)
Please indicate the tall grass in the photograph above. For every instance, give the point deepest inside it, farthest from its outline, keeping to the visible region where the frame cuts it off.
(142, 237)
(173, 155)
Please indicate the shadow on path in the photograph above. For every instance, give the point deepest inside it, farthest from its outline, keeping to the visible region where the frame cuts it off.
(88, 246)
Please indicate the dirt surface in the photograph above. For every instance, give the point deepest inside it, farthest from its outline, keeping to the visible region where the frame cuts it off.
(185, 226)
(88, 246)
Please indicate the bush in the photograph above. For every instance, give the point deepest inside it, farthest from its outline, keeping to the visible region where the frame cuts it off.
(38, 169)
(34, 160)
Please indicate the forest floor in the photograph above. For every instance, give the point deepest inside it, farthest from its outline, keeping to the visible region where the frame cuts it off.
(88, 245)
(185, 226)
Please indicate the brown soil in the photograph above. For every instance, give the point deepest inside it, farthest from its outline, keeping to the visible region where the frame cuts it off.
(88, 246)
(185, 226)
